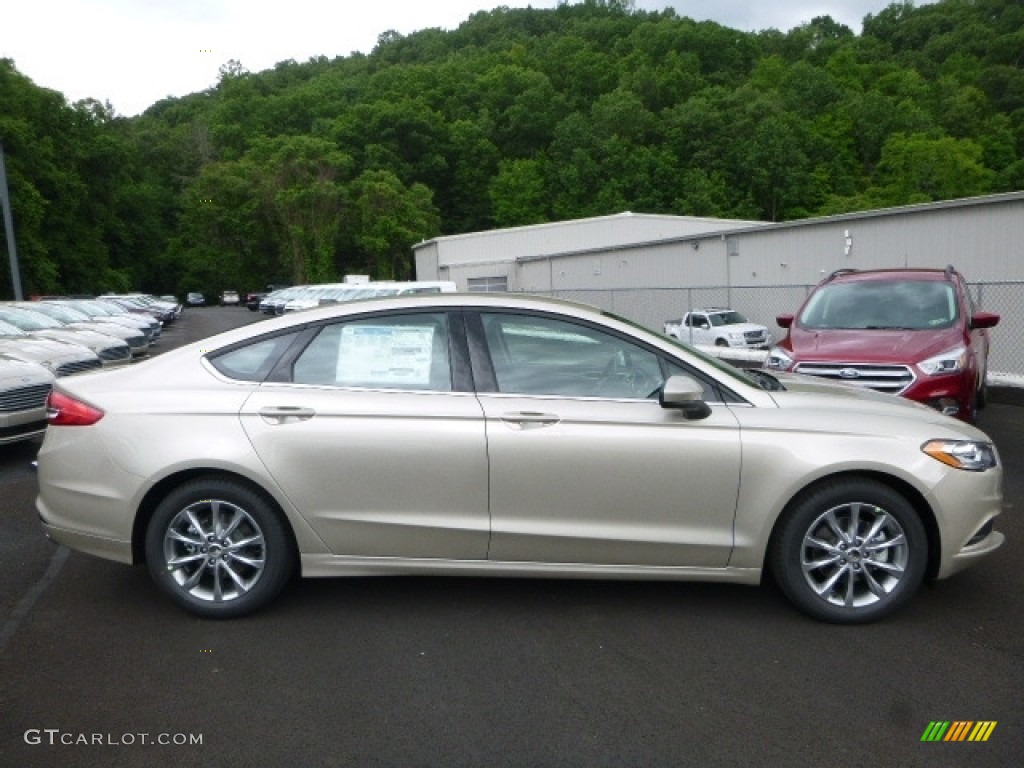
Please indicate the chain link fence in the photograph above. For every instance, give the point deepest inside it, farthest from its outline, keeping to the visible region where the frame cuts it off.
(651, 307)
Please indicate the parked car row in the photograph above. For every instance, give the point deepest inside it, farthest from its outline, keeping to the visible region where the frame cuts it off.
(299, 297)
(227, 299)
(58, 337)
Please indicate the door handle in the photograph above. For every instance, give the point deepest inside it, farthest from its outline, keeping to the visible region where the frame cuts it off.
(286, 414)
(529, 419)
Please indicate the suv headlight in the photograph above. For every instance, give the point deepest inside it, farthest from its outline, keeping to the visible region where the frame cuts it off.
(778, 360)
(971, 455)
(953, 361)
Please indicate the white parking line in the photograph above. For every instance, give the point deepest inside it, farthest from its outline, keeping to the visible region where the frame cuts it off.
(31, 597)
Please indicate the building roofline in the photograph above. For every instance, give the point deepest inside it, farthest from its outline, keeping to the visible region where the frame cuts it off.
(611, 217)
(1003, 197)
(737, 228)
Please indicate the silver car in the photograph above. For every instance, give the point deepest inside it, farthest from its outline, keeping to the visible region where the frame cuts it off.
(23, 391)
(505, 436)
(58, 357)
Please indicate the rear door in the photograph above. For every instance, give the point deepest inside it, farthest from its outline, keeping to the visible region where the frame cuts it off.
(373, 444)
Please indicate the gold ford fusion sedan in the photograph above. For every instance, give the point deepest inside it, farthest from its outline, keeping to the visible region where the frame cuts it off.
(505, 436)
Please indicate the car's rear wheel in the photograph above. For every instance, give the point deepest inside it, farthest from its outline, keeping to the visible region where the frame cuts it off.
(851, 551)
(217, 548)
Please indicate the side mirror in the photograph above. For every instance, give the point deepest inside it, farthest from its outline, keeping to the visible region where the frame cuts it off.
(984, 320)
(686, 395)
(784, 321)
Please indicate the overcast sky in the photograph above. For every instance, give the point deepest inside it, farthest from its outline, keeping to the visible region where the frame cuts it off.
(133, 53)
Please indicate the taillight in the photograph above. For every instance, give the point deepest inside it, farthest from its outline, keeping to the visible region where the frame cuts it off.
(62, 410)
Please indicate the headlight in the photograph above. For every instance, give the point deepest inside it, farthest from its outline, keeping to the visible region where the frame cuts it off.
(778, 360)
(948, 362)
(971, 455)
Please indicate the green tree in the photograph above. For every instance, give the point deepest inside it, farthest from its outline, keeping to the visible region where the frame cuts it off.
(919, 168)
(387, 219)
(518, 194)
(302, 192)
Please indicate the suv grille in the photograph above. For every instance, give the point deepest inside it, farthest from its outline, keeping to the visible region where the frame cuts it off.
(79, 366)
(24, 398)
(893, 379)
(754, 337)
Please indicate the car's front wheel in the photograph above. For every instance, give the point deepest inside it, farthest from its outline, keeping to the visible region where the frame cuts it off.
(217, 548)
(851, 551)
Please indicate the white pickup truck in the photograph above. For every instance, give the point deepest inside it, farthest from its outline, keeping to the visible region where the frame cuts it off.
(718, 327)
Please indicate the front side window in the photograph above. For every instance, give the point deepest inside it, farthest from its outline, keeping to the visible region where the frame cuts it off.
(537, 355)
(387, 352)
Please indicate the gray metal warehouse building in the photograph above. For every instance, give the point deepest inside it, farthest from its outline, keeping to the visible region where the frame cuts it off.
(650, 268)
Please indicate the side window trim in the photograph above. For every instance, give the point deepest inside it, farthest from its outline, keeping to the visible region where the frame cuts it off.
(282, 372)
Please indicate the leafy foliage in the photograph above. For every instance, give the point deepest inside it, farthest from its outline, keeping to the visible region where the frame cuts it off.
(310, 170)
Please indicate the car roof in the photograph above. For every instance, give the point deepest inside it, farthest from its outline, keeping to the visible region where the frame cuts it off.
(906, 273)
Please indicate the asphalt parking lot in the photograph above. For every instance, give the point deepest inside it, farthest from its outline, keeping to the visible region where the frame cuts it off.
(97, 669)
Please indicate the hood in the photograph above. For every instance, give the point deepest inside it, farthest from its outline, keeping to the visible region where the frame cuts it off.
(14, 373)
(740, 327)
(92, 339)
(809, 393)
(871, 346)
(35, 349)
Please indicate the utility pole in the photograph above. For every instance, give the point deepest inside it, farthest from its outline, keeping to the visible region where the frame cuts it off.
(5, 203)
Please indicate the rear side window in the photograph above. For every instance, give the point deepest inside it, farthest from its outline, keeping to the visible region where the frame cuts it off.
(395, 352)
(254, 361)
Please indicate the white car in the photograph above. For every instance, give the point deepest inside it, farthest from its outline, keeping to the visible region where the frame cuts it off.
(718, 327)
(500, 435)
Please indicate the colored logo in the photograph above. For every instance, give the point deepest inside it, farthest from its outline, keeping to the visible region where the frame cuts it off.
(958, 730)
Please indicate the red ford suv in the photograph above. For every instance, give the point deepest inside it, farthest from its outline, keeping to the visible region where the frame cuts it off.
(910, 332)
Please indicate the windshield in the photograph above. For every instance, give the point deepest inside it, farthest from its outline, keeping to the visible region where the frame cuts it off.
(6, 329)
(63, 314)
(29, 321)
(877, 305)
(727, 318)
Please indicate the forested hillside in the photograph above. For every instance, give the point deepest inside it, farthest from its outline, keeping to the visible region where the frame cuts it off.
(312, 170)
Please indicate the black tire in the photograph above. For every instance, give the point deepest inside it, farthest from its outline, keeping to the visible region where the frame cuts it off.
(721, 343)
(234, 551)
(981, 398)
(822, 563)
